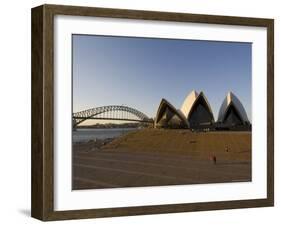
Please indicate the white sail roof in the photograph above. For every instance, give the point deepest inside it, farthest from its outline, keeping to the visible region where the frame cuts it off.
(232, 99)
(190, 100)
(188, 103)
(176, 112)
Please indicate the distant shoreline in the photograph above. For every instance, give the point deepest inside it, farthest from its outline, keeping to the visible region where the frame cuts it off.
(113, 126)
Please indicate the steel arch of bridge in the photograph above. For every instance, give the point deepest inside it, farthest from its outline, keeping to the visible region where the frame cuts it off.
(93, 113)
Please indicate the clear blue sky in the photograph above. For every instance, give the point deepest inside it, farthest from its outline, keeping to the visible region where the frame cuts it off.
(139, 72)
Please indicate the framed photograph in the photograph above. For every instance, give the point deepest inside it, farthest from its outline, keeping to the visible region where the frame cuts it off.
(142, 112)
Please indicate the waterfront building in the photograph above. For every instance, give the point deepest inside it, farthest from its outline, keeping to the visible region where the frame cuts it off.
(197, 110)
(196, 113)
(232, 112)
(169, 117)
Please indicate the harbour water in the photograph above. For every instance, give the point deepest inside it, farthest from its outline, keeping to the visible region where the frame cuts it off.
(86, 134)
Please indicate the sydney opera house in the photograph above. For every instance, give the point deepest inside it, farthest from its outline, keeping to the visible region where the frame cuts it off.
(196, 113)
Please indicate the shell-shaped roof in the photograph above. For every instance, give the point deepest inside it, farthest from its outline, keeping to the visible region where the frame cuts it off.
(165, 103)
(190, 100)
(228, 100)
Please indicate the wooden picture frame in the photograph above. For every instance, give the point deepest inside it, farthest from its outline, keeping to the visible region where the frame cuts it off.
(42, 203)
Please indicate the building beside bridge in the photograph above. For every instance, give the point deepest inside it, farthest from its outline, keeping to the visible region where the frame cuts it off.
(232, 114)
(196, 113)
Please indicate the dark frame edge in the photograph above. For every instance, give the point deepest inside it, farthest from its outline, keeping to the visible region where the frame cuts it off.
(37, 185)
(42, 203)
(42, 114)
(155, 15)
(157, 209)
(270, 111)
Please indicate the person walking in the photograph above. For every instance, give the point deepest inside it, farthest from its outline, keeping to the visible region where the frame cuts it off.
(226, 148)
(213, 158)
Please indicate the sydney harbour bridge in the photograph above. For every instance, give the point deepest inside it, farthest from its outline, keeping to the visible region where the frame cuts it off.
(111, 112)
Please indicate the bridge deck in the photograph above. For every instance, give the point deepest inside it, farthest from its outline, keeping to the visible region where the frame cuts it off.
(111, 112)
